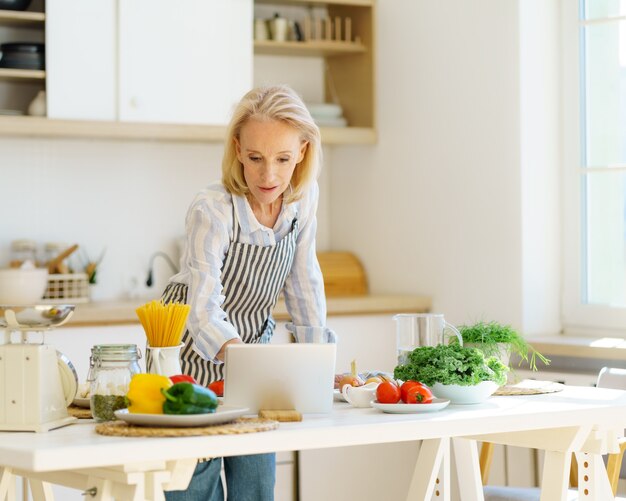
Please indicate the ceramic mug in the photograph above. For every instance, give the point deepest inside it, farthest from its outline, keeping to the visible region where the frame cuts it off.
(165, 360)
(359, 396)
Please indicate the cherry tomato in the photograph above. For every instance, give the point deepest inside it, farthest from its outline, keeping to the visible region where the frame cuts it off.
(406, 386)
(419, 394)
(388, 393)
(182, 378)
(217, 387)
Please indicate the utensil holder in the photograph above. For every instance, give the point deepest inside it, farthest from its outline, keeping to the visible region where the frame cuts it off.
(164, 360)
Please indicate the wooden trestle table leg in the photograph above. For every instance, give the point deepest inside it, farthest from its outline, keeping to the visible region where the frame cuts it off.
(431, 477)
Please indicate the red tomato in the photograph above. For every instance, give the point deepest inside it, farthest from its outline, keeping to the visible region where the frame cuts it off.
(182, 378)
(406, 386)
(217, 387)
(388, 393)
(419, 394)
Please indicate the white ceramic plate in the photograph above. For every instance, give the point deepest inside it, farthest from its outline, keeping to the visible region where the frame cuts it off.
(436, 405)
(223, 414)
(81, 402)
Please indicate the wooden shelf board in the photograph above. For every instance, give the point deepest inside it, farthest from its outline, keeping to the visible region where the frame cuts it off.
(12, 74)
(348, 135)
(312, 48)
(22, 19)
(25, 126)
(353, 3)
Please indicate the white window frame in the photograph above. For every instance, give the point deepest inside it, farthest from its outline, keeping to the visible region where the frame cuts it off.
(578, 318)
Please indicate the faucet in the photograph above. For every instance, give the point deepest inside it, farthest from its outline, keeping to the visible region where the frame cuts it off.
(169, 261)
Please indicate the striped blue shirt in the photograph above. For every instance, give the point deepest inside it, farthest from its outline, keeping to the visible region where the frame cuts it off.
(209, 227)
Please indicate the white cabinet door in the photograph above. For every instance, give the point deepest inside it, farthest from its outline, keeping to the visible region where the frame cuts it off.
(187, 61)
(81, 59)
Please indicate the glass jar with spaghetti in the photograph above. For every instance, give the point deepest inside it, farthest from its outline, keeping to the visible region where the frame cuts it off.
(111, 366)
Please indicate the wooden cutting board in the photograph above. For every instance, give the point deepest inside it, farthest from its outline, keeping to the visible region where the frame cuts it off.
(343, 273)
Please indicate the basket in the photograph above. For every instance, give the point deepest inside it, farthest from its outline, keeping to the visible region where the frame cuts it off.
(67, 287)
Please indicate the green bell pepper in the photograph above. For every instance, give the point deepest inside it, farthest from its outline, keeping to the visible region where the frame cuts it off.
(188, 398)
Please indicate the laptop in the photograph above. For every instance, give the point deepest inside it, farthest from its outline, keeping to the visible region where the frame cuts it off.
(296, 376)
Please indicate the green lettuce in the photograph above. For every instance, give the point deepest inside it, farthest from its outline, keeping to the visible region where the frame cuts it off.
(451, 364)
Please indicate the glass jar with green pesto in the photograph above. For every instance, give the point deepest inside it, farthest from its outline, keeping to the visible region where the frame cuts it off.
(111, 366)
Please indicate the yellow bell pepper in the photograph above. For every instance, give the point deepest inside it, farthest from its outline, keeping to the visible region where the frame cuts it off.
(144, 393)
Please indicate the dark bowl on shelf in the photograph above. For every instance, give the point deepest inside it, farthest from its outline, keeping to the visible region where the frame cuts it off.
(14, 4)
(23, 56)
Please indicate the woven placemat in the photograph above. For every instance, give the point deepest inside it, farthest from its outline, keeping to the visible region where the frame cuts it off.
(240, 425)
(79, 412)
(529, 387)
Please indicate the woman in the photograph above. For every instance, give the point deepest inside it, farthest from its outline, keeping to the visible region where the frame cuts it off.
(249, 237)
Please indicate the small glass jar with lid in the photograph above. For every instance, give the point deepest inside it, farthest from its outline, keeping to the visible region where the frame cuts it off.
(111, 366)
(23, 251)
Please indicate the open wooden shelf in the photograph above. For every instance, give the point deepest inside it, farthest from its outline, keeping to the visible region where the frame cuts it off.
(12, 74)
(311, 48)
(22, 19)
(26, 126)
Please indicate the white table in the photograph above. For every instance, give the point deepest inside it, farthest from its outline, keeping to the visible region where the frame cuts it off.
(576, 419)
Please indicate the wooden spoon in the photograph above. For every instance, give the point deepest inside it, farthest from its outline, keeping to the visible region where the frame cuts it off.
(55, 264)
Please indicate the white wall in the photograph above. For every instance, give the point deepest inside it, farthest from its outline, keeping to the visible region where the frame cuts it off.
(128, 196)
(540, 110)
(439, 199)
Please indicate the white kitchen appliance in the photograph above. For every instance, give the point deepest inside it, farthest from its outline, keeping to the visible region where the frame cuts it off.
(37, 382)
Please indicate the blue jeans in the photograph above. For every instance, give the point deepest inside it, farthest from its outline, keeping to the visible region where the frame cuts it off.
(248, 478)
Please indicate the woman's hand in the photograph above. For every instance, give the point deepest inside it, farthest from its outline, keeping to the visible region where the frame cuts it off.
(220, 354)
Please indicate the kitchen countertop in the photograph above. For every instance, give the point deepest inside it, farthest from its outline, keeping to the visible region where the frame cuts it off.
(122, 312)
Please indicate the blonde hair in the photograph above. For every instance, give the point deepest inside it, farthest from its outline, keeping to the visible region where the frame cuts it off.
(279, 103)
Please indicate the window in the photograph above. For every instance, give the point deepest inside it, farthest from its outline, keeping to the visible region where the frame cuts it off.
(594, 120)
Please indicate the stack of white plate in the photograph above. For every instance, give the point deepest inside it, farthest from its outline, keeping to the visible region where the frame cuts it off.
(327, 114)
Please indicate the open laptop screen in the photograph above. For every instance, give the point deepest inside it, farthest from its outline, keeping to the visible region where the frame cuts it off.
(299, 376)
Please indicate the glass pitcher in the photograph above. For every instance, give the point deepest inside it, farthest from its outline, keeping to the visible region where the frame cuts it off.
(421, 329)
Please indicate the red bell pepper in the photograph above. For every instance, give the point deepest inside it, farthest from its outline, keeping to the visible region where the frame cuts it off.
(217, 387)
(182, 378)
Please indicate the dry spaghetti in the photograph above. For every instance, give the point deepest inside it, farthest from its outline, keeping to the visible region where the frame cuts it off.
(163, 323)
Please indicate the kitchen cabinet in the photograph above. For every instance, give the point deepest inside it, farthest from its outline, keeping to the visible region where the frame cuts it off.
(81, 59)
(148, 60)
(93, 93)
(196, 73)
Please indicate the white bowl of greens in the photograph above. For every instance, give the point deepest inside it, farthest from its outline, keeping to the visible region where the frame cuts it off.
(461, 374)
(458, 394)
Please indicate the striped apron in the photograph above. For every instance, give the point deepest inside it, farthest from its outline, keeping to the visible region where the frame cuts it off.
(252, 278)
